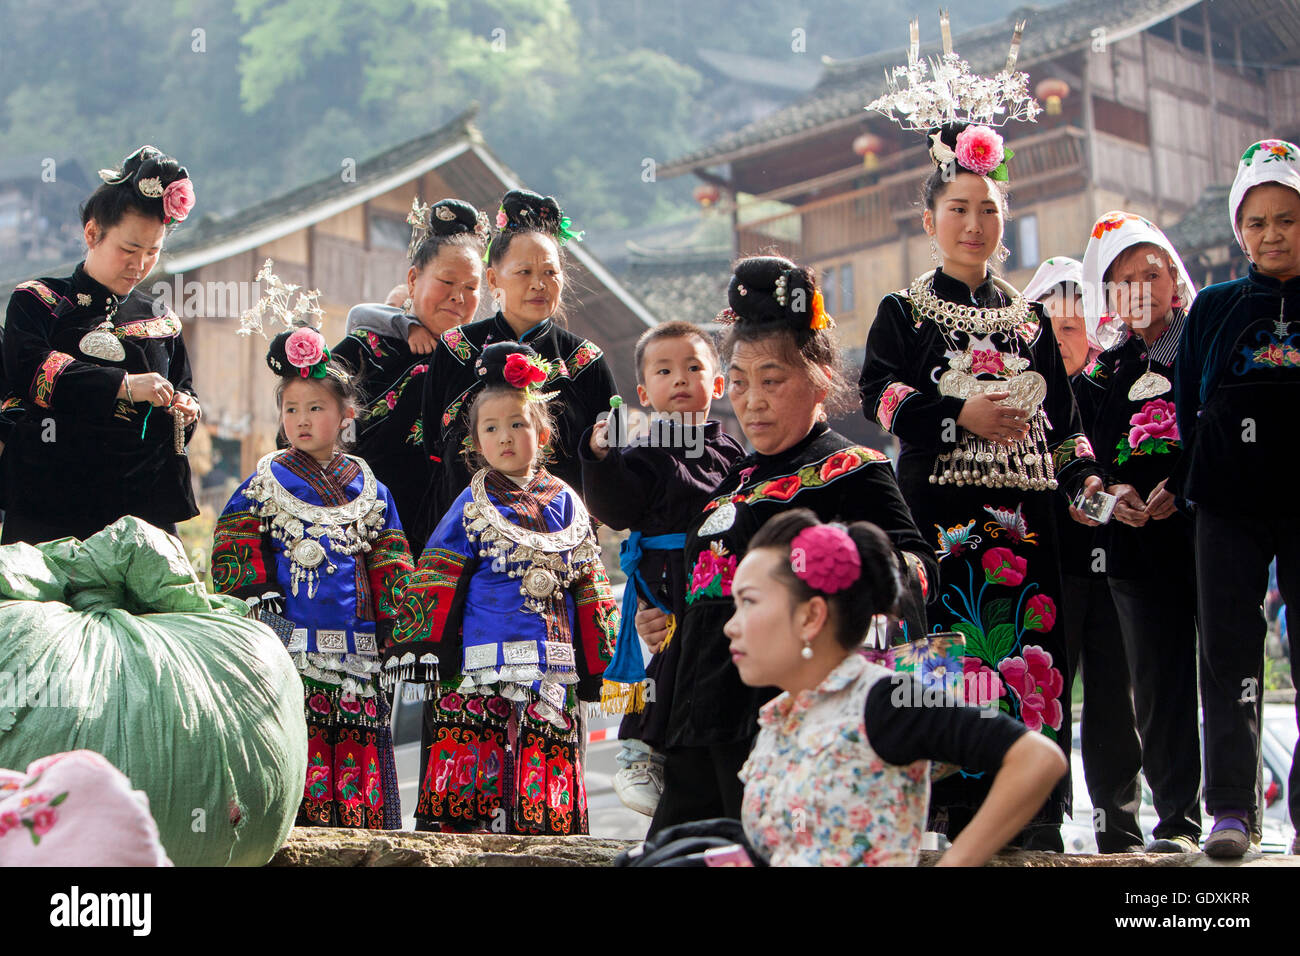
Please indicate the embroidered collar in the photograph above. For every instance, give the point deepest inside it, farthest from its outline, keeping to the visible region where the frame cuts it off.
(788, 706)
(985, 295)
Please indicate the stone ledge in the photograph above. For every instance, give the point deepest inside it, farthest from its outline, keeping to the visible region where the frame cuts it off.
(324, 846)
(321, 846)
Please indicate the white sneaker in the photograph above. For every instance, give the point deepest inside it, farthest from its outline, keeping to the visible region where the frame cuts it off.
(640, 786)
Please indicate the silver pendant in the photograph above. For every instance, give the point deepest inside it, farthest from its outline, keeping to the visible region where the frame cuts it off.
(721, 520)
(1027, 390)
(1149, 385)
(101, 343)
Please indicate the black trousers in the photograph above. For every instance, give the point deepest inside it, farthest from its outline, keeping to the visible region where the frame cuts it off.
(1232, 558)
(701, 783)
(1112, 753)
(1157, 617)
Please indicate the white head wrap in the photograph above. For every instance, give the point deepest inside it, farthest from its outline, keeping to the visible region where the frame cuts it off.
(1113, 233)
(1268, 161)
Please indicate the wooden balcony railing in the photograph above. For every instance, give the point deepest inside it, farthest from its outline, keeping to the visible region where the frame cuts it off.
(863, 217)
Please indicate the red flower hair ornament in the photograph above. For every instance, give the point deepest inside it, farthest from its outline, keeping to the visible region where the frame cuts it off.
(825, 558)
(521, 372)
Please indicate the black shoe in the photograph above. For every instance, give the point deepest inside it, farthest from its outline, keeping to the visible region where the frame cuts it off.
(1175, 844)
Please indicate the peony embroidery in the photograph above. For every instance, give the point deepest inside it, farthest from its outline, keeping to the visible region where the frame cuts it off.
(1153, 431)
(986, 360)
(714, 569)
(1037, 685)
(783, 489)
(838, 464)
(1003, 566)
(982, 683)
(1040, 613)
(891, 399)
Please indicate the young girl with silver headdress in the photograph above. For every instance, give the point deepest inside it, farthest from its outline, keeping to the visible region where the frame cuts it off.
(508, 621)
(313, 541)
(967, 374)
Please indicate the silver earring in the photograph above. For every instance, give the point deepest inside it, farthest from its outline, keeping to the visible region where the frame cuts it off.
(499, 300)
(821, 416)
(934, 252)
(408, 305)
(807, 652)
(1003, 253)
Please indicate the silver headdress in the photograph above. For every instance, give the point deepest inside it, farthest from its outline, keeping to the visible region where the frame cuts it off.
(418, 218)
(952, 93)
(274, 304)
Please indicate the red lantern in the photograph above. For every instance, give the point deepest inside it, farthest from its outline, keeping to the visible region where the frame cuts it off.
(869, 146)
(1052, 91)
(706, 194)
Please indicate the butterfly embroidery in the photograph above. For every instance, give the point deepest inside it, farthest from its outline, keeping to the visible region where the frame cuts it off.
(956, 539)
(1010, 522)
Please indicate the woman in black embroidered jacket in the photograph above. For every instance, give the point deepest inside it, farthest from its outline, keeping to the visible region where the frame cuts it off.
(525, 273)
(782, 375)
(382, 349)
(968, 375)
(102, 380)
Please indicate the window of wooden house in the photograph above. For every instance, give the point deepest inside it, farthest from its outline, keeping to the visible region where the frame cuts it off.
(828, 290)
(1191, 40)
(1025, 252)
(1164, 29)
(387, 232)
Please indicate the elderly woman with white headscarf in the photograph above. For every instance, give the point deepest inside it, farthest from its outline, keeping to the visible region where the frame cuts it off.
(1112, 754)
(1133, 274)
(1238, 388)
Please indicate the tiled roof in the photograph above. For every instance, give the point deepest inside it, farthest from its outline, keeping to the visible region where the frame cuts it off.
(690, 286)
(1205, 225)
(846, 87)
(211, 230)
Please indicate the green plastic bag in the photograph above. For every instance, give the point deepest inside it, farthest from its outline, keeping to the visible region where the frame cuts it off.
(113, 645)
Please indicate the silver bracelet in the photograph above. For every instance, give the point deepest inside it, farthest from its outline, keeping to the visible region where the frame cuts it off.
(127, 380)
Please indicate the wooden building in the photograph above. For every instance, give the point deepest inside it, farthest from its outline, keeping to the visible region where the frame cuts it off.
(345, 235)
(1160, 99)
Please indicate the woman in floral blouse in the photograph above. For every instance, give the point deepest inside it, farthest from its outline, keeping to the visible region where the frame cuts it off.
(840, 773)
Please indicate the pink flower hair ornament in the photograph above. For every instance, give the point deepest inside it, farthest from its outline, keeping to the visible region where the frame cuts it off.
(306, 351)
(178, 200)
(981, 150)
(825, 558)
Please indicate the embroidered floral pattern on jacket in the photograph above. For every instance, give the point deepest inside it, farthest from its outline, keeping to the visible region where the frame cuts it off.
(1153, 431)
(40, 290)
(819, 473)
(163, 327)
(48, 375)
(891, 398)
(711, 578)
(455, 340)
